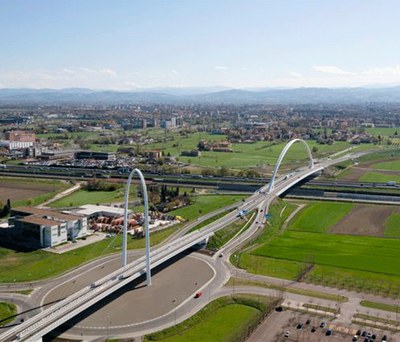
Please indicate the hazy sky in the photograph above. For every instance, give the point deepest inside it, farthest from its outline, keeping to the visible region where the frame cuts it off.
(125, 44)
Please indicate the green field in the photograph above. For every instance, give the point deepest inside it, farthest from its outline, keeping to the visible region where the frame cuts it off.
(361, 263)
(243, 155)
(393, 165)
(353, 252)
(383, 132)
(225, 319)
(320, 216)
(376, 177)
(203, 204)
(81, 197)
(7, 311)
(392, 226)
(279, 268)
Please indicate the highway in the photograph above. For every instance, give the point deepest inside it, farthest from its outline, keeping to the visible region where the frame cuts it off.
(37, 326)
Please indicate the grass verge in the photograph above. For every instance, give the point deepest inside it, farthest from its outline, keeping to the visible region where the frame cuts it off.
(7, 313)
(380, 306)
(222, 236)
(315, 294)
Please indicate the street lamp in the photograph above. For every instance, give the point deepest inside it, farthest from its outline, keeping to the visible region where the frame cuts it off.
(174, 301)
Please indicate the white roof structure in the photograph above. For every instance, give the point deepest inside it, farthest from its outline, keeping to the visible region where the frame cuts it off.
(101, 210)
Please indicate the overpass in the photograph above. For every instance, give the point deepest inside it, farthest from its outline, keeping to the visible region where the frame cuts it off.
(50, 318)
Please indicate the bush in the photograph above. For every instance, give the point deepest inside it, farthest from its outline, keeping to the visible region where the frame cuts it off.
(97, 185)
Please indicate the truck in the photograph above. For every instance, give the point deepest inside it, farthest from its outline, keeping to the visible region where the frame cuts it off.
(391, 183)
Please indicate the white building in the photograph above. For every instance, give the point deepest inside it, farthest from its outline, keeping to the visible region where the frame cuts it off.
(49, 227)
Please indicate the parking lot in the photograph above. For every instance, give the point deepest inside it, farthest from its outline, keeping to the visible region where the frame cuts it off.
(294, 326)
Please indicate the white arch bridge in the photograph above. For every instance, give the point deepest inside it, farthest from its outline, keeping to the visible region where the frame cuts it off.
(50, 318)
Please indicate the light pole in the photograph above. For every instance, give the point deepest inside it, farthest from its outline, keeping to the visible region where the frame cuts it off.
(236, 258)
(146, 223)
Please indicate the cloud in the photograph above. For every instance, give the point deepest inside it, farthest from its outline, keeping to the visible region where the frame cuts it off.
(295, 74)
(395, 70)
(220, 68)
(107, 72)
(331, 69)
(174, 72)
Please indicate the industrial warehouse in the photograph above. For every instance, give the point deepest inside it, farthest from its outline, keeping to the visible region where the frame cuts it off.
(42, 228)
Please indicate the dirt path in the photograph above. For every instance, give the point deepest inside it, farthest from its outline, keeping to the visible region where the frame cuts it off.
(61, 195)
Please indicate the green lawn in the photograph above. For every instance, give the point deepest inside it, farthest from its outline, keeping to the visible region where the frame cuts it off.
(371, 254)
(222, 236)
(81, 197)
(380, 306)
(392, 226)
(222, 325)
(224, 319)
(355, 280)
(206, 203)
(376, 177)
(320, 216)
(7, 311)
(393, 165)
(286, 269)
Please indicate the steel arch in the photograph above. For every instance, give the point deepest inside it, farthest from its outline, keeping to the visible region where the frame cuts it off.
(146, 222)
(282, 155)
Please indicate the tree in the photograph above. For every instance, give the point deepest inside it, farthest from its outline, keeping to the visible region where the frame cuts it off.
(315, 149)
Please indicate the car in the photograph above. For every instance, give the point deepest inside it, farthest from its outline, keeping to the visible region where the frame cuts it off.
(364, 333)
(313, 329)
(358, 333)
(287, 334)
(308, 321)
(369, 335)
(373, 336)
(329, 332)
(279, 309)
(384, 338)
(322, 324)
(355, 338)
(221, 255)
(299, 326)
(198, 294)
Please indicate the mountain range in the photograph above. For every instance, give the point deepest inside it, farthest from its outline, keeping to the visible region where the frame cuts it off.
(210, 95)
